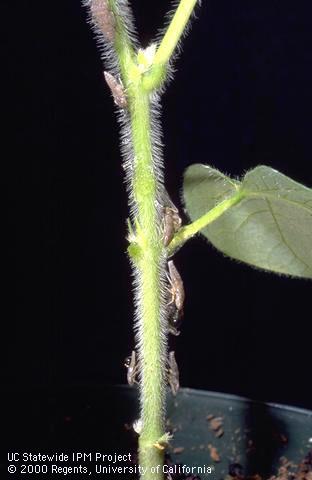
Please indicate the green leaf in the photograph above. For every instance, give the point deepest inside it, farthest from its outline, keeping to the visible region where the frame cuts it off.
(269, 226)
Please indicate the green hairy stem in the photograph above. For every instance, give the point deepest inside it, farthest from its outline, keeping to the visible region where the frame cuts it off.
(174, 31)
(148, 264)
(142, 72)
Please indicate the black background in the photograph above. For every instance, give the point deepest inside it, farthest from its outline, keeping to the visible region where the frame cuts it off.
(241, 97)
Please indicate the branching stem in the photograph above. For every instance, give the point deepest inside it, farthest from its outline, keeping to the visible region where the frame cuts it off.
(188, 231)
(141, 74)
(174, 31)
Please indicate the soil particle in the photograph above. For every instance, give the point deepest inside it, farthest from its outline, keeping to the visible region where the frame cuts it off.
(214, 454)
(178, 450)
(236, 470)
(283, 473)
(290, 471)
(219, 433)
(305, 468)
(216, 423)
(308, 459)
(285, 462)
(287, 470)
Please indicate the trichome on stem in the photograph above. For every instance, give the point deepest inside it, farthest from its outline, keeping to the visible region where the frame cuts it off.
(136, 78)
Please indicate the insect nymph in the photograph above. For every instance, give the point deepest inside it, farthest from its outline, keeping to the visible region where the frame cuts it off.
(171, 223)
(132, 368)
(173, 374)
(177, 288)
(117, 90)
(177, 299)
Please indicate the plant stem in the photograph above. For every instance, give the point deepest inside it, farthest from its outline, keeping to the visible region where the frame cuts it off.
(174, 31)
(185, 233)
(155, 75)
(149, 264)
(122, 43)
(139, 80)
(152, 347)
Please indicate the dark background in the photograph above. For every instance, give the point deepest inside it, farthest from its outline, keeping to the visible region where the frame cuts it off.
(241, 97)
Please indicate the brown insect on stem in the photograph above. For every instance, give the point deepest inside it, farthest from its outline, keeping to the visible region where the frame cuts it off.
(175, 312)
(174, 321)
(177, 288)
(171, 224)
(173, 374)
(132, 368)
(116, 89)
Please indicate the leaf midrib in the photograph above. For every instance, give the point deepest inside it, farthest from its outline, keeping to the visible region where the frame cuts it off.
(265, 195)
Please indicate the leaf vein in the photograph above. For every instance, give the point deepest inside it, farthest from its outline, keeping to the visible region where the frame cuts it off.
(283, 237)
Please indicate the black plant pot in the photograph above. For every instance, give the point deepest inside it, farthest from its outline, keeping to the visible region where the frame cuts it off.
(253, 435)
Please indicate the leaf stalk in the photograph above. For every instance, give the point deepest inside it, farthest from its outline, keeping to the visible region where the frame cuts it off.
(188, 231)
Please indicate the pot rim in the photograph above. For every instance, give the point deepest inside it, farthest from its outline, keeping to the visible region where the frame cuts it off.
(237, 398)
